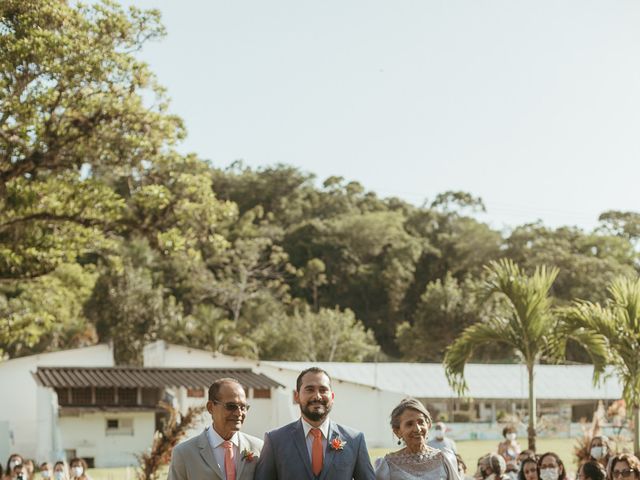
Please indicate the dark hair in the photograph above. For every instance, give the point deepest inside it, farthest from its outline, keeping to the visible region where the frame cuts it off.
(408, 404)
(12, 456)
(79, 460)
(60, 462)
(508, 429)
(632, 461)
(563, 473)
(527, 454)
(215, 387)
(528, 459)
(461, 463)
(593, 470)
(310, 370)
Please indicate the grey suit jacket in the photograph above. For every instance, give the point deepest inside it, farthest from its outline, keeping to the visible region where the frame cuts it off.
(285, 455)
(194, 460)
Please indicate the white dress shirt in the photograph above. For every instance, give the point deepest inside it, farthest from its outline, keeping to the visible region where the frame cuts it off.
(216, 441)
(324, 428)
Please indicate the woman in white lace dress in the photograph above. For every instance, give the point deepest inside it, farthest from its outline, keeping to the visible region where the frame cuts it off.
(410, 422)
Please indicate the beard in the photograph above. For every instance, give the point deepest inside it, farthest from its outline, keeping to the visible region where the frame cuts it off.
(312, 415)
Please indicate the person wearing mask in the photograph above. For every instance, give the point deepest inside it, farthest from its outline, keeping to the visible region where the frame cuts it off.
(551, 467)
(14, 459)
(591, 470)
(599, 450)
(19, 472)
(440, 440)
(509, 448)
(529, 469)
(60, 471)
(624, 467)
(78, 469)
(45, 470)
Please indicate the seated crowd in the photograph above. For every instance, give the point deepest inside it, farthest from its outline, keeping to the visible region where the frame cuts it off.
(18, 468)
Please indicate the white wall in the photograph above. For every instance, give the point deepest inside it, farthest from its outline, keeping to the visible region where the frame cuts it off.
(86, 433)
(359, 406)
(19, 407)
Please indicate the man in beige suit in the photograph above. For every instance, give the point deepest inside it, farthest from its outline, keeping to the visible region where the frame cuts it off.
(221, 451)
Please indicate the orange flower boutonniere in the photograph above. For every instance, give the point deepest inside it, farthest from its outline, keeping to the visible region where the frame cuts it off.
(248, 455)
(337, 444)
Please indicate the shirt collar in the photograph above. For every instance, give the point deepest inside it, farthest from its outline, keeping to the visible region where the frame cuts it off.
(324, 427)
(216, 440)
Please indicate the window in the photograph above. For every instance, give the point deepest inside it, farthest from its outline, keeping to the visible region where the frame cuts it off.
(261, 393)
(105, 396)
(81, 396)
(63, 396)
(150, 396)
(195, 392)
(127, 396)
(119, 426)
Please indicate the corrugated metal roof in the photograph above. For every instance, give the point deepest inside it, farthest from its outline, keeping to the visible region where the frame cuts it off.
(485, 381)
(64, 377)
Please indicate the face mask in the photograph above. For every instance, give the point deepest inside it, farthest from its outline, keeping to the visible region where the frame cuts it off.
(77, 471)
(45, 474)
(597, 452)
(511, 437)
(13, 463)
(58, 475)
(549, 474)
(439, 434)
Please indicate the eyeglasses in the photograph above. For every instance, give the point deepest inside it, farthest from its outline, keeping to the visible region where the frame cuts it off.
(232, 407)
(622, 473)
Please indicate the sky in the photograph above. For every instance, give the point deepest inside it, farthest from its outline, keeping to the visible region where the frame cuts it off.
(532, 105)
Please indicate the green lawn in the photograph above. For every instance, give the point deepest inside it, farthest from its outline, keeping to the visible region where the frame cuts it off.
(470, 451)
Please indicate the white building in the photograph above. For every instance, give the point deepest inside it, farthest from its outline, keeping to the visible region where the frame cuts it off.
(20, 423)
(76, 402)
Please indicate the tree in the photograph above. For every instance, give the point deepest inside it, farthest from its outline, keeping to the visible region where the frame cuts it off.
(527, 329)
(71, 107)
(611, 335)
(329, 335)
(445, 309)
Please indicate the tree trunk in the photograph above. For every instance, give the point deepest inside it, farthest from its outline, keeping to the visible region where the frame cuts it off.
(532, 411)
(636, 429)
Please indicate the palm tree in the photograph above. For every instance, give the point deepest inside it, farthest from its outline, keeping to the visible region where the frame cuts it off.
(527, 329)
(611, 335)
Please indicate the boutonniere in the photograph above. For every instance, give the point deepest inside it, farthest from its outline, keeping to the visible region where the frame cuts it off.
(337, 444)
(247, 455)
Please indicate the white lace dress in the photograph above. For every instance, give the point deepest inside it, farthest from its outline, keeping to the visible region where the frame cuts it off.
(432, 464)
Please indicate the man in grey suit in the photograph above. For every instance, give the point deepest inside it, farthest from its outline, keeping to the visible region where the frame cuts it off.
(314, 447)
(221, 451)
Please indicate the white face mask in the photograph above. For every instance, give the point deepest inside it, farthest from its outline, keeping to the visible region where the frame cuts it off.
(597, 452)
(511, 437)
(439, 434)
(45, 474)
(13, 463)
(58, 475)
(549, 474)
(77, 471)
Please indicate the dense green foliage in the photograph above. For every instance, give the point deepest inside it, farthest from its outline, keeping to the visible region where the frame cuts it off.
(108, 234)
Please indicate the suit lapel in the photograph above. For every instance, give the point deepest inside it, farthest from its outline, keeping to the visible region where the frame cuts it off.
(329, 453)
(242, 445)
(301, 445)
(206, 452)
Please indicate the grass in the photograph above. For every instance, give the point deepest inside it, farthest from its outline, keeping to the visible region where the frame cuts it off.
(469, 450)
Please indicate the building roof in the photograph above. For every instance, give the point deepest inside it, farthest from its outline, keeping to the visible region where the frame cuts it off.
(485, 381)
(65, 377)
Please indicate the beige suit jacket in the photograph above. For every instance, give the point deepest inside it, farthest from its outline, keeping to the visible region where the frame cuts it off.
(194, 459)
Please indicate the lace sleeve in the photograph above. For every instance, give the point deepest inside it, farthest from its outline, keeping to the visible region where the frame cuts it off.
(382, 469)
(451, 465)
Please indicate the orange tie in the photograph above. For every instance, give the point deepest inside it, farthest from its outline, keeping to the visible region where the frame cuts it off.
(316, 451)
(229, 465)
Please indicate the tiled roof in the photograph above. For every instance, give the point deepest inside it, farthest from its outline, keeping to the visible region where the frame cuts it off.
(485, 381)
(63, 377)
